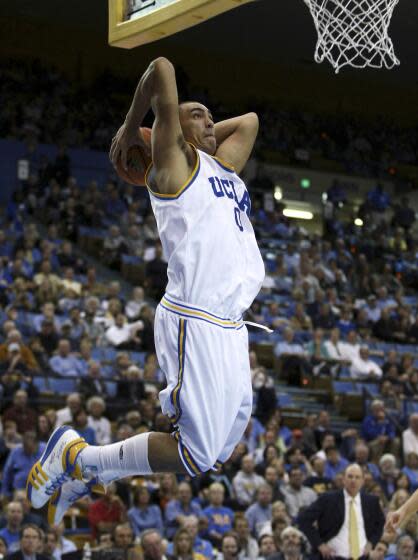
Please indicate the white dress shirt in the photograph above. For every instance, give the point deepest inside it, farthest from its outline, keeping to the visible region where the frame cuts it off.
(361, 369)
(341, 542)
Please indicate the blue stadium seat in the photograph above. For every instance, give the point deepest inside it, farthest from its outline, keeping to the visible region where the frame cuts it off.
(284, 400)
(41, 383)
(344, 387)
(63, 386)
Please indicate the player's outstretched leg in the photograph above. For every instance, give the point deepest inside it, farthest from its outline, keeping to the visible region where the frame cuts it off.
(68, 456)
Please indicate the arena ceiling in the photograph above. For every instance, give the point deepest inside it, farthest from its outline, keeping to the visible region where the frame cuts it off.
(272, 30)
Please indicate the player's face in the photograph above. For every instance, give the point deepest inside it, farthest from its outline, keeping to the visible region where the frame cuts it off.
(198, 126)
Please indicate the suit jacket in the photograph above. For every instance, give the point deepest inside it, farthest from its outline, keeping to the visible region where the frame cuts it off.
(19, 556)
(323, 519)
(87, 387)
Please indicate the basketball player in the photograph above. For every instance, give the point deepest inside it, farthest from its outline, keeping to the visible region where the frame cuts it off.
(215, 271)
(397, 518)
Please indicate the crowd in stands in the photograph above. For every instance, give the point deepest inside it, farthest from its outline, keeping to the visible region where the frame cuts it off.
(66, 114)
(77, 348)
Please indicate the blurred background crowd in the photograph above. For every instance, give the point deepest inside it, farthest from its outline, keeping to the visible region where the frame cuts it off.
(81, 273)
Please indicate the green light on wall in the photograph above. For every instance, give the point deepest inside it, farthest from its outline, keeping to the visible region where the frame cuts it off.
(305, 183)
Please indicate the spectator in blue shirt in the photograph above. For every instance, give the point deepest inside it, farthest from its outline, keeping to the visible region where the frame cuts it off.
(200, 546)
(379, 432)
(19, 463)
(11, 533)
(176, 510)
(220, 518)
(64, 363)
(143, 515)
(334, 463)
(260, 512)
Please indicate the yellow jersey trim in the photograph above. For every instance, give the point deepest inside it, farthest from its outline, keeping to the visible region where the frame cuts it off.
(184, 187)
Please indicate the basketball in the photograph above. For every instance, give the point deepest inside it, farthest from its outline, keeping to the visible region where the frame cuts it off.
(138, 161)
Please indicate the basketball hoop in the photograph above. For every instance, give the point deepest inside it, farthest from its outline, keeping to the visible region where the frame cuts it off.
(354, 32)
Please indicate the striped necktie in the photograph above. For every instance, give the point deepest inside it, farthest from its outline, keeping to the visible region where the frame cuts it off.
(353, 532)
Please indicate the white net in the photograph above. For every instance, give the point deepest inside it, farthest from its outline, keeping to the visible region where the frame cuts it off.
(354, 32)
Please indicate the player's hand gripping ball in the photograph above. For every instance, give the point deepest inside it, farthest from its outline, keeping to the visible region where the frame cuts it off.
(138, 160)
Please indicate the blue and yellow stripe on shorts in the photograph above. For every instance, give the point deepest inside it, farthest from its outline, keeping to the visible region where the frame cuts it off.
(193, 312)
(175, 393)
(186, 456)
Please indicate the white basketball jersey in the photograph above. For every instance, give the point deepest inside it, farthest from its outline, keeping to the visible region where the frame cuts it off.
(208, 240)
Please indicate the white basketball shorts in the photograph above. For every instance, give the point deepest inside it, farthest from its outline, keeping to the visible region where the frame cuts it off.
(208, 397)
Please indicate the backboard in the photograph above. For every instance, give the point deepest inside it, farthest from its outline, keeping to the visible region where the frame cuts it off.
(137, 22)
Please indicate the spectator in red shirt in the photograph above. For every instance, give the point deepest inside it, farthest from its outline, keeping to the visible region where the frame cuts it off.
(26, 418)
(106, 512)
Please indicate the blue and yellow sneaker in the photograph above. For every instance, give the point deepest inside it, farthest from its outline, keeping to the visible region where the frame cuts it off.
(57, 465)
(69, 493)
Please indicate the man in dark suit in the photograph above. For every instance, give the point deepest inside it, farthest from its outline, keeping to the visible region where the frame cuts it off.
(30, 542)
(345, 524)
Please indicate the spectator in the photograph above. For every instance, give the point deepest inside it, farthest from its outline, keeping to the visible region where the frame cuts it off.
(134, 306)
(361, 457)
(11, 532)
(247, 545)
(81, 425)
(292, 547)
(25, 356)
(143, 515)
(123, 539)
(92, 384)
(329, 523)
(183, 547)
(246, 482)
(297, 496)
(200, 546)
(317, 480)
(19, 463)
(23, 415)
(388, 474)
(229, 547)
(334, 463)
(123, 335)
(379, 432)
(410, 436)
(363, 368)
(152, 546)
(405, 549)
(177, 509)
(106, 512)
(411, 470)
(220, 518)
(267, 547)
(31, 540)
(260, 512)
(99, 423)
(64, 363)
(65, 415)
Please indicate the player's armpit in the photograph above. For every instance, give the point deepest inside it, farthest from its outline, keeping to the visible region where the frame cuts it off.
(235, 139)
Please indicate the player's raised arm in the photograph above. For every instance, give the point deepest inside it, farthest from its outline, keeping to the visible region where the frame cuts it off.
(157, 89)
(397, 518)
(235, 139)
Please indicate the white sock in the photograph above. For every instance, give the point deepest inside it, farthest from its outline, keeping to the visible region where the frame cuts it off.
(117, 460)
